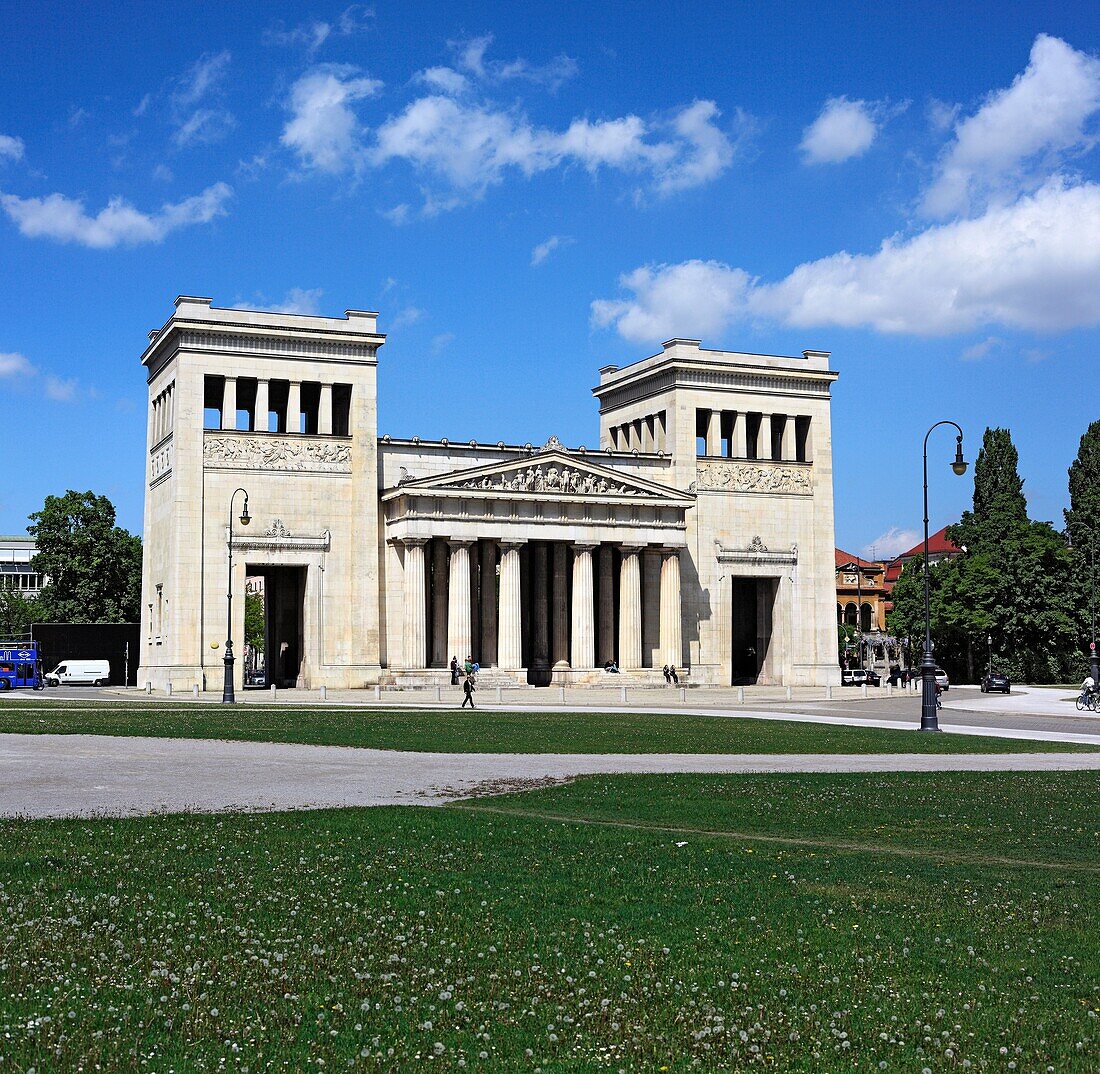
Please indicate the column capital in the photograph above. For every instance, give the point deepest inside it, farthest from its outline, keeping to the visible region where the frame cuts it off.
(584, 546)
(511, 542)
(632, 549)
(412, 542)
(460, 542)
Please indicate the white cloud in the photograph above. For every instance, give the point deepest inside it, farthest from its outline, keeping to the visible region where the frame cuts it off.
(313, 34)
(472, 147)
(471, 56)
(1020, 133)
(982, 349)
(324, 130)
(13, 364)
(299, 300)
(11, 148)
(844, 129)
(407, 316)
(890, 544)
(441, 342)
(60, 390)
(65, 220)
(444, 80)
(544, 249)
(211, 122)
(1032, 265)
(163, 173)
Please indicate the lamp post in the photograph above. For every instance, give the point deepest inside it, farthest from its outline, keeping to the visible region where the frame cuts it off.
(989, 648)
(929, 720)
(1094, 653)
(228, 697)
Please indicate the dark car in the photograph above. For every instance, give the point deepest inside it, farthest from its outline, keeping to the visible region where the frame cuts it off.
(996, 681)
(873, 678)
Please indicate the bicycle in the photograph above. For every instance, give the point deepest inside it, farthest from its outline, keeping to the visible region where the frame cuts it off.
(1087, 702)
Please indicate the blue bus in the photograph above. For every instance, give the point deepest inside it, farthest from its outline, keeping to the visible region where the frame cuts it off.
(20, 667)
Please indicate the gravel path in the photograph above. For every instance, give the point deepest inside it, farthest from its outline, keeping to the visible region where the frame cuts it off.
(98, 775)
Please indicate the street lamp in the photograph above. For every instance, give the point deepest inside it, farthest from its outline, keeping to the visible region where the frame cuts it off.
(989, 647)
(929, 721)
(227, 689)
(1094, 653)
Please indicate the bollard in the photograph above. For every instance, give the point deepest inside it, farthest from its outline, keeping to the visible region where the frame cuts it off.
(168, 688)
(828, 693)
(889, 689)
(148, 687)
(439, 693)
(683, 693)
(195, 690)
(789, 694)
(622, 694)
(324, 693)
(863, 689)
(740, 695)
(378, 692)
(273, 694)
(500, 698)
(561, 693)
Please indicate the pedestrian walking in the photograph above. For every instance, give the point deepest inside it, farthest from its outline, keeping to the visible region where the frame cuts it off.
(468, 690)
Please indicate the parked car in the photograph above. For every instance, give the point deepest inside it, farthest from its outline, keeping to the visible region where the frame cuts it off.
(859, 677)
(873, 678)
(80, 673)
(995, 680)
(941, 680)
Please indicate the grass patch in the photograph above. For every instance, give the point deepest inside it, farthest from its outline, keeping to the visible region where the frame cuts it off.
(457, 731)
(455, 940)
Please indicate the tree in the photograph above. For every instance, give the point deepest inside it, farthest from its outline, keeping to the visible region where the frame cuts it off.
(17, 613)
(92, 568)
(254, 625)
(999, 503)
(1083, 526)
(1012, 583)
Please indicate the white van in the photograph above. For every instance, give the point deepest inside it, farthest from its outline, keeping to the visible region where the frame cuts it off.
(80, 673)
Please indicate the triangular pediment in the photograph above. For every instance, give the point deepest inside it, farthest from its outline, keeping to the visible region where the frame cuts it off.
(548, 473)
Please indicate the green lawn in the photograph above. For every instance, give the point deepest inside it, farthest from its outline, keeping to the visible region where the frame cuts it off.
(454, 730)
(458, 940)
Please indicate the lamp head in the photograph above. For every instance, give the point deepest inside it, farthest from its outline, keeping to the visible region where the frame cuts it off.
(245, 516)
(959, 465)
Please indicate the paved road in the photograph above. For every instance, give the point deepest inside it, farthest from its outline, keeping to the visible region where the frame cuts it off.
(95, 775)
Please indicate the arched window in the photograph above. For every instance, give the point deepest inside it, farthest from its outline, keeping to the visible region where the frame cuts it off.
(865, 618)
(850, 615)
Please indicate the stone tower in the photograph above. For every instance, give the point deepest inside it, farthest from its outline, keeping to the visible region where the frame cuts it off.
(285, 407)
(750, 435)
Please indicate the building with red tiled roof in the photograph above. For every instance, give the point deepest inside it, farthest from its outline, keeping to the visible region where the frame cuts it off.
(860, 592)
(940, 546)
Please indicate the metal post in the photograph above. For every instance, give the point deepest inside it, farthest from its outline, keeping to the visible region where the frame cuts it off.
(1094, 653)
(228, 697)
(929, 720)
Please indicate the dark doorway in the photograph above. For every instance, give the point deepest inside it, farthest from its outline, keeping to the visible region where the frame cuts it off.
(753, 599)
(284, 591)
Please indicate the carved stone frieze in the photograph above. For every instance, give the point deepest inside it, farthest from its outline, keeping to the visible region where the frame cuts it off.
(553, 479)
(160, 462)
(772, 477)
(244, 452)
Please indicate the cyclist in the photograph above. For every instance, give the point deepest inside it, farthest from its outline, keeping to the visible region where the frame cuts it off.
(1088, 689)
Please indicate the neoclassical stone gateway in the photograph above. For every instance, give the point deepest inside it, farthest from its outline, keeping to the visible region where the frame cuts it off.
(699, 533)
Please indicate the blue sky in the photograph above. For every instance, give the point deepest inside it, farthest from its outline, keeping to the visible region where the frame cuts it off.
(528, 192)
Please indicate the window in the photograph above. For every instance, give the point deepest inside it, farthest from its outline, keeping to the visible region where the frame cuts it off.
(341, 410)
(752, 435)
(213, 392)
(802, 439)
(778, 423)
(702, 419)
(728, 418)
(311, 407)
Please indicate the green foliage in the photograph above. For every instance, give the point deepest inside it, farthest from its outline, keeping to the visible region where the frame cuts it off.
(254, 620)
(1083, 527)
(1013, 583)
(846, 636)
(92, 567)
(17, 613)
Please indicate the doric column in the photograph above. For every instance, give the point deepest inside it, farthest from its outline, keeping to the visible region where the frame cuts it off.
(324, 411)
(440, 656)
(740, 439)
(416, 612)
(788, 437)
(294, 407)
(605, 635)
(489, 648)
(458, 600)
(510, 646)
(229, 403)
(630, 608)
(672, 642)
(583, 649)
(262, 408)
(714, 432)
(540, 646)
(559, 638)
